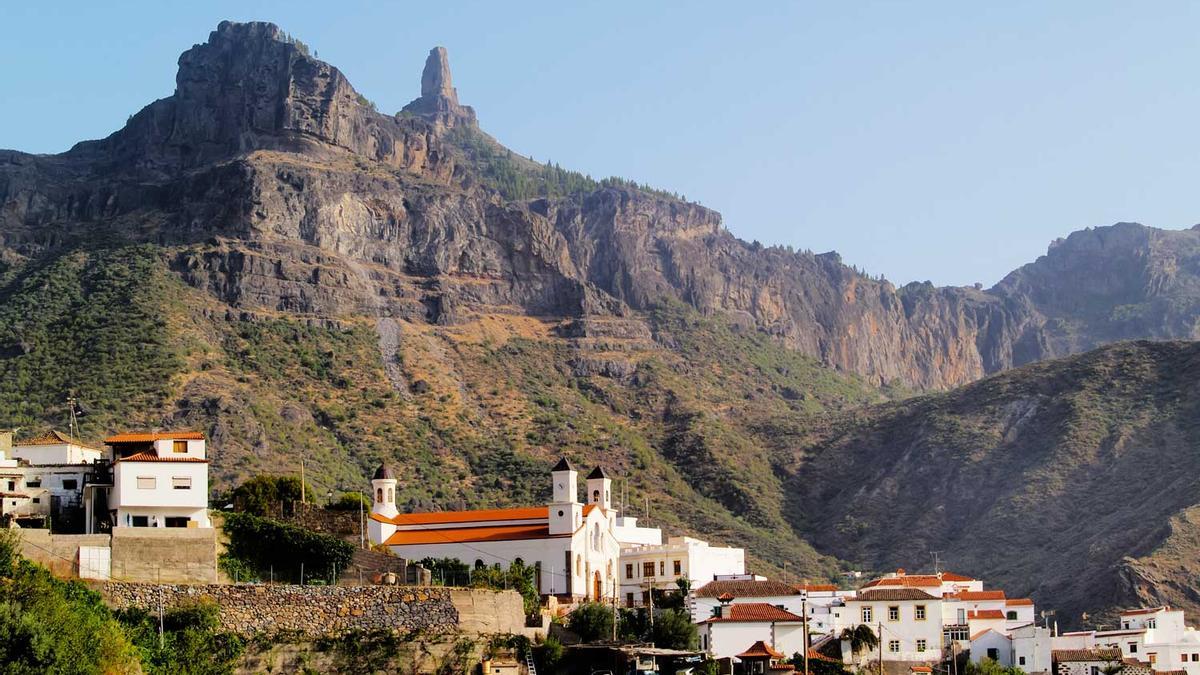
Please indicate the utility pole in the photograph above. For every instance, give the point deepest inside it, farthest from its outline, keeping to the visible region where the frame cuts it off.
(880, 641)
(303, 500)
(804, 613)
(362, 533)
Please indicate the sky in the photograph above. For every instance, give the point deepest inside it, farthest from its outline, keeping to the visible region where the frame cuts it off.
(940, 141)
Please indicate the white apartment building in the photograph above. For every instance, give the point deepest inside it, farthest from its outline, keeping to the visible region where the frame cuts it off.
(159, 480)
(907, 622)
(1157, 637)
(661, 566)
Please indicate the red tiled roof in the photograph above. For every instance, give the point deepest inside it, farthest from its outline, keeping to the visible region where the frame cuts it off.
(874, 594)
(457, 535)
(754, 611)
(976, 595)
(725, 597)
(760, 650)
(151, 457)
(149, 437)
(1084, 655)
(985, 614)
(951, 576)
(816, 588)
(1018, 602)
(746, 588)
(814, 655)
(908, 581)
(53, 438)
(480, 516)
(920, 669)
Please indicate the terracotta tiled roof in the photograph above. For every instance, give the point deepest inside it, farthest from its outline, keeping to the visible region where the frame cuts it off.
(951, 576)
(458, 535)
(156, 436)
(151, 457)
(1081, 655)
(760, 650)
(814, 655)
(53, 438)
(480, 516)
(920, 669)
(14, 495)
(906, 581)
(754, 611)
(976, 595)
(894, 594)
(1144, 610)
(725, 597)
(1018, 602)
(746, 588)
(985, 614)
(816, 588)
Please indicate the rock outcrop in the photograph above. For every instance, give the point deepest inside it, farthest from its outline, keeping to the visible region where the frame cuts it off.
(291, 193)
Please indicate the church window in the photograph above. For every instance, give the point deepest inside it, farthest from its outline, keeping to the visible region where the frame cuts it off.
(379, 495)
(391, 495)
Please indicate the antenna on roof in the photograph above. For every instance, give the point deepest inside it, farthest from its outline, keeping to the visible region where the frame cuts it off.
(72, 405)
(937, 563)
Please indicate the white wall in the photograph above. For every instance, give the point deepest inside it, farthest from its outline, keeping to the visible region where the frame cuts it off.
(60, 453)
(726, 639)
(907, 629)
(992, 640)
(163, 500)
(1031, 649)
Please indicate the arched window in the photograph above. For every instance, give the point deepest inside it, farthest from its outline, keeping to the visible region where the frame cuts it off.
(578, 564)
(608, 569)
(391, 495)
(478, 564)
(595, 496)
(379, 495)
(596, 537)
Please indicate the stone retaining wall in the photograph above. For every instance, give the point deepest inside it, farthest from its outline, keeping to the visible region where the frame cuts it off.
(324, 611)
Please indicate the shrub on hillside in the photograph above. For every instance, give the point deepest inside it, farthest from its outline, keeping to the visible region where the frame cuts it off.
(265, 495)
(280, 549)
(191, 642)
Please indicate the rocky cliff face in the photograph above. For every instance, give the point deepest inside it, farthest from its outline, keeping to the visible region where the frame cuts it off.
(295, 195)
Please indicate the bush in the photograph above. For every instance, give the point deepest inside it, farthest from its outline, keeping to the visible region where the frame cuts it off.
(673, 629)
(350, 501)
(263, 495)
(263, 544)
(191, 642)
(591, 621)
(52, 626)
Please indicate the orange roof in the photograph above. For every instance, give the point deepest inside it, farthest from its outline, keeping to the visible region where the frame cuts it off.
(1018, 602)
(755, 611)
(977, 595)
(920, 669)
(910, 581)
(482, 515)
(760, 650)
(814, 655)
(951, 576)
(457, 535)
(156, 436)
(985, 614)
(52, 438)
(151, 457)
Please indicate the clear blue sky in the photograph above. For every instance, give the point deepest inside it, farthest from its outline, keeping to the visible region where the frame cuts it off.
(942, 141)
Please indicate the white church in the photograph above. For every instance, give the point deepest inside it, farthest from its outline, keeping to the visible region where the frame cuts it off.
(574, 547)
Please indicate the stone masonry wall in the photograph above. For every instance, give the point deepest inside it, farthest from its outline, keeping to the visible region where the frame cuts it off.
(308, 611)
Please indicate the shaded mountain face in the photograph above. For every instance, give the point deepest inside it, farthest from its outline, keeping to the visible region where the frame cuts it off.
(294, 195)
(1075, 480)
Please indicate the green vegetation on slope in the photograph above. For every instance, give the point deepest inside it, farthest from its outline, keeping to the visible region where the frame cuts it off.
(89, 324)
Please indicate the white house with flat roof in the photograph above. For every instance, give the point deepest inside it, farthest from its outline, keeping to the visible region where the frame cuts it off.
(160, 479)
(661, 566)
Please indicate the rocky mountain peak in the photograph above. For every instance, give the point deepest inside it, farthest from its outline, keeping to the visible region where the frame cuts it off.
(435, 79)
(439, 99)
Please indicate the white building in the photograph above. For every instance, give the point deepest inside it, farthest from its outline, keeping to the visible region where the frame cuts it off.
(1156, 637)
(907, 622)
(572, 546)
(735, 626)
(1031, 648)
(44, 476)
(661, 566)
(55, 448)
(159, 480)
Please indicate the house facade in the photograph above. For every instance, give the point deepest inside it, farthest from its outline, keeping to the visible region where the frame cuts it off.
(159, 479)
(734, 626)
(907, 622)
(661, 566)
(571, 545)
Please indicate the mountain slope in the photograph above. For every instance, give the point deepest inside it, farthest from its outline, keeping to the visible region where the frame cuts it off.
(1076, 480)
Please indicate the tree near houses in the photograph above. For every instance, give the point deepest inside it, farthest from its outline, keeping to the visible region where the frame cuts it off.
(860, 637)
(591, 621)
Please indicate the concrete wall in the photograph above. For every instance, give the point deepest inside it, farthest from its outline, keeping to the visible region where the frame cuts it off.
(169, 555)
(58, 552)
(312, 612)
